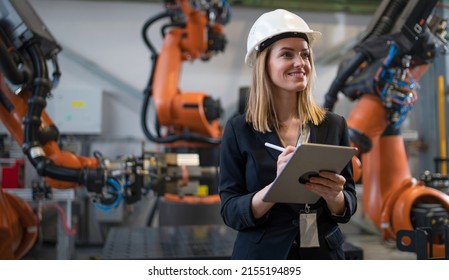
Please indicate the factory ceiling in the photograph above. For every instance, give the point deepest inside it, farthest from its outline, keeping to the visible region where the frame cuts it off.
(352, 6)
(349, 6)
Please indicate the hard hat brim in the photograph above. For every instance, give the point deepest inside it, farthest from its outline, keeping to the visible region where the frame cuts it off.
(313, 37)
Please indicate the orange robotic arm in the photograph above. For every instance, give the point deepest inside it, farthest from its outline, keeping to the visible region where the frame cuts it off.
(194, 33)
(13, 116)
(25, 47)
(399, 46)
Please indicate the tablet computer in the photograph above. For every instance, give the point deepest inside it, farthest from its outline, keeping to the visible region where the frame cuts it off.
(306, 161)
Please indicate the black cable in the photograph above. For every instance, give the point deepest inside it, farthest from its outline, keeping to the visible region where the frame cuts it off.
(56, 71)
(382, 27)
(332, 95)
(147, 25)
(148, 93)
(10, 68)
(92, 178)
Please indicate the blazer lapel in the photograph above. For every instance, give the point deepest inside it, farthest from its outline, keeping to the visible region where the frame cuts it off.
(272, 138)
(317, 135)
(313, 133)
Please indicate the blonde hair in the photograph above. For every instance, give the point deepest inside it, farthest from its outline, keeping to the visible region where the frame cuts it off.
(260, 106)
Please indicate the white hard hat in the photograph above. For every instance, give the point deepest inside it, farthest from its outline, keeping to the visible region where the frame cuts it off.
(273, 25)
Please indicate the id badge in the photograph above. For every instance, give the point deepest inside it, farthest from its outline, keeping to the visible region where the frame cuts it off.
(308, 228)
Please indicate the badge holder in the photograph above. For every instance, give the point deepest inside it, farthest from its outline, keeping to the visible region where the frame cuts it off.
(308, 228)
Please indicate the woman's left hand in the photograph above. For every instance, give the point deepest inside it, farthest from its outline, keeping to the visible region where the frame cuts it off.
(330, 186)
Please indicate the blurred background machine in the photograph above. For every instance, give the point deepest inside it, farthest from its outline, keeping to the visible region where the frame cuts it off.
(381, 74)
(26, 48)
(186, 123)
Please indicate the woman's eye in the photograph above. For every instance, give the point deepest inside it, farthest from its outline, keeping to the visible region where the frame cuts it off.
(286, 54)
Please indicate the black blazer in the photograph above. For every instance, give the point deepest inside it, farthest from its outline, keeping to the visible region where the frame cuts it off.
(246, 166)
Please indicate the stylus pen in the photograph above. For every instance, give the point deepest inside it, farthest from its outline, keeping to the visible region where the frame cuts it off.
(276, 147)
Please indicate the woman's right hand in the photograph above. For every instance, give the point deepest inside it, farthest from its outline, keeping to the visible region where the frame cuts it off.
(260, 207)
(283, 158)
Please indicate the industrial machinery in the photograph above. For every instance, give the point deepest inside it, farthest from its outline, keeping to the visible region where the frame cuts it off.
(186, 122)
(26, 50)
(381, 74)
(26, 47)
(195, 31)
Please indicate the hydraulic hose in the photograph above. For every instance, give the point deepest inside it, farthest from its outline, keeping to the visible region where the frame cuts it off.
(331, 96)
(386, 21)
(383, 26)
(147, 26)
(148, 93)
(10, 68)
(91, 178)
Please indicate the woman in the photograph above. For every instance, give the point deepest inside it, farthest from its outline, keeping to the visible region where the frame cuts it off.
(281, 110)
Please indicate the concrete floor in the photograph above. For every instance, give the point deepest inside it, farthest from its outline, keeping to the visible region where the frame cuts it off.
(374, 248)
(361, 236)
(359, 232)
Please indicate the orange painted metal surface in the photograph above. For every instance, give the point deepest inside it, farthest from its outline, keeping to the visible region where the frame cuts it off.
(18, 223)
(18, 227)
(176, 109)
(210, 199)
(12, 120)
(389, 190)
(368, 116)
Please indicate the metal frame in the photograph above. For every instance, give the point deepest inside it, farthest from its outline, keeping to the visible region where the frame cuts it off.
(421, 242)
